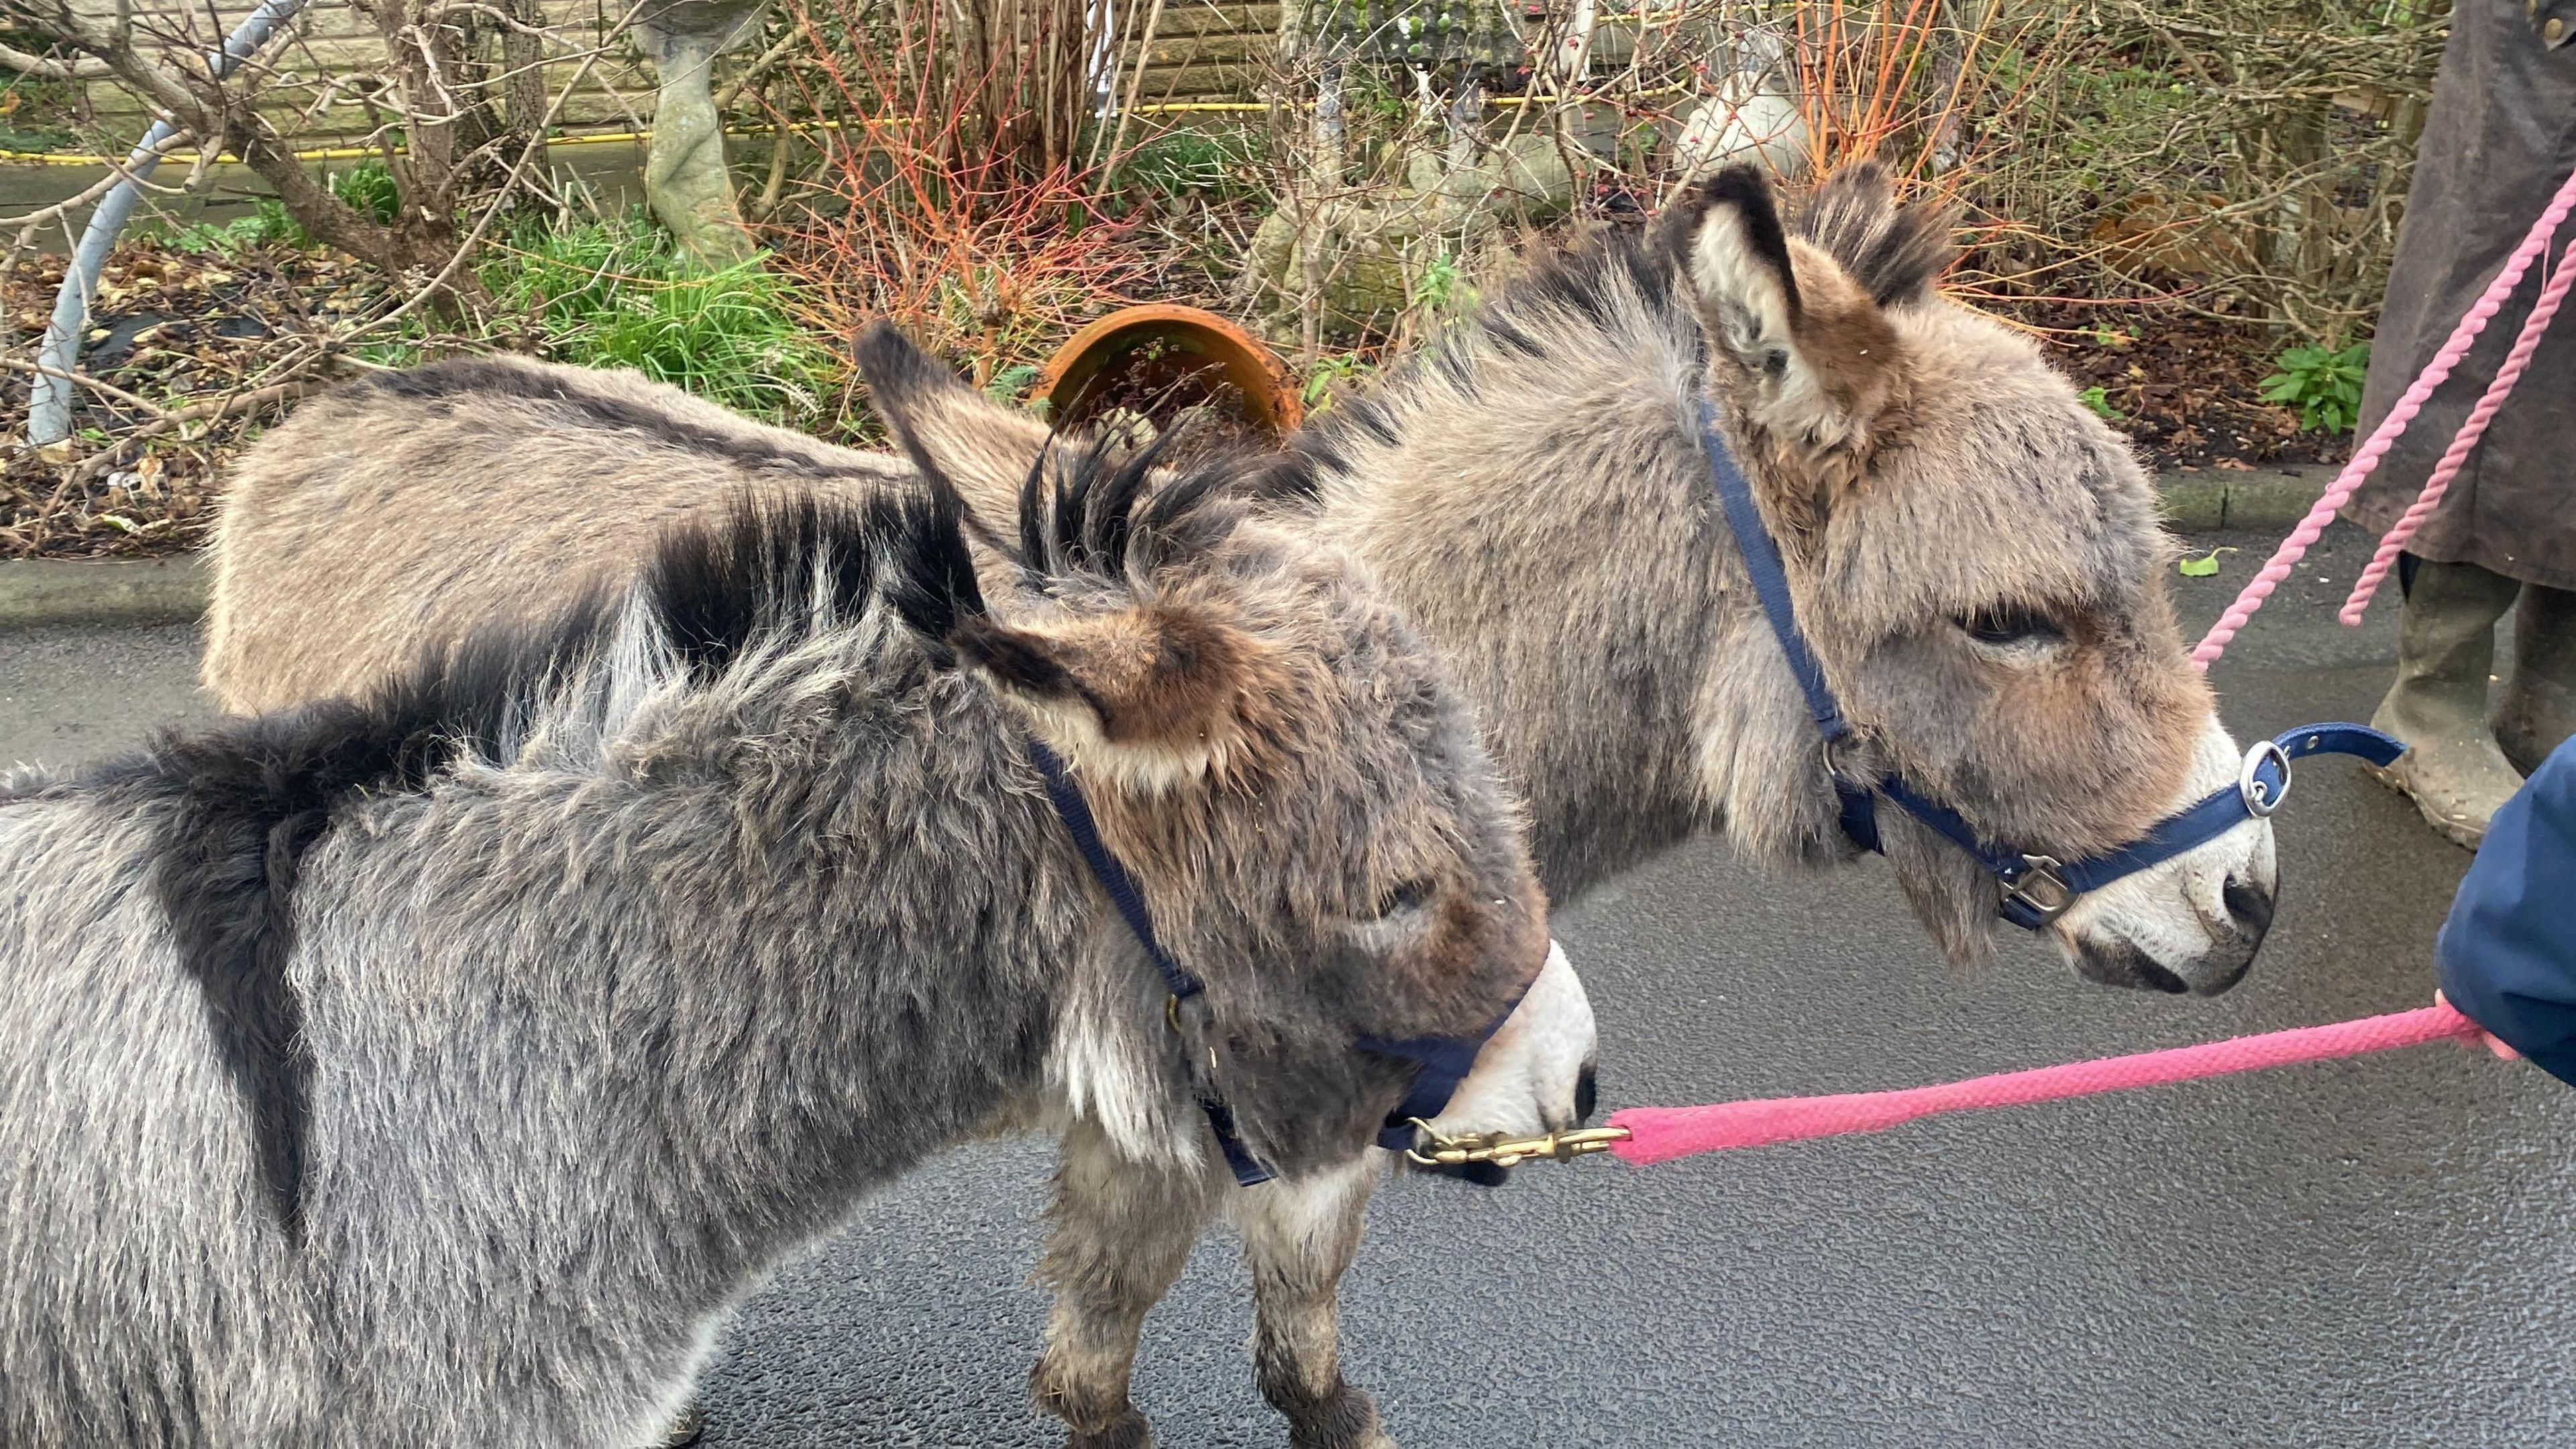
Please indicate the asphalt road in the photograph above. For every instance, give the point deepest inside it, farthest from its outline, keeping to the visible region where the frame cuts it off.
(2365, 1253)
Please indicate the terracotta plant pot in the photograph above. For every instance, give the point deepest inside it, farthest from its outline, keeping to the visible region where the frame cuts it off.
(1160, 359)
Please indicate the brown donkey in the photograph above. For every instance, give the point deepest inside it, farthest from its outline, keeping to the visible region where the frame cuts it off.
(1976, 559)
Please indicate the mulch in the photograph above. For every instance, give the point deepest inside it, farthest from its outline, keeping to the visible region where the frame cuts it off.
(174, 328)
(2186, 389)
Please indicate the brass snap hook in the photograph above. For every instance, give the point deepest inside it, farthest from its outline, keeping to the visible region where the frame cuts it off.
(1503, 1151)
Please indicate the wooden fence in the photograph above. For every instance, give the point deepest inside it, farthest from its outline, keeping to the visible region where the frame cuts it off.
(1203, 51)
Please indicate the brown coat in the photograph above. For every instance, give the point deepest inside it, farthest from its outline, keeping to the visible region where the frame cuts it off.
(2500, 139)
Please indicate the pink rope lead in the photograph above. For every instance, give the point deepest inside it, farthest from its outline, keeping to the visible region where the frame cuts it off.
(2435, 373)
(2466, 440)
(1659, 1134)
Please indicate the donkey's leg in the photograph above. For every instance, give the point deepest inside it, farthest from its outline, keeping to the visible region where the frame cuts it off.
(1122, 1232)
(1298, 1239)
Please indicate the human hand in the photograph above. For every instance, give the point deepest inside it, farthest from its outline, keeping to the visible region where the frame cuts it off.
(2486, 1038)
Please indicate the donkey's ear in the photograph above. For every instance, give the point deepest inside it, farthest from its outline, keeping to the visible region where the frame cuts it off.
(947, 427)
(1806, 353)
(1145, 698)
(1727, 244)
(1894, 251)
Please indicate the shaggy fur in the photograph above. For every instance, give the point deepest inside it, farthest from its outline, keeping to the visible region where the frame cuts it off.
(356, 498)
(1926, 473)
(1976, 556)
(440, 1067)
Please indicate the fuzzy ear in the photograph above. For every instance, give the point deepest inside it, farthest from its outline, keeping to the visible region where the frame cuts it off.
(1803, 352)
(947, 427)
(1894, 252)
(1726, 242)
(1147, 698)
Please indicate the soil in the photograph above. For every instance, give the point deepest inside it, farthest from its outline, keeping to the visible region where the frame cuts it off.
(1162, 385)
(2186, 389)
(174, 328)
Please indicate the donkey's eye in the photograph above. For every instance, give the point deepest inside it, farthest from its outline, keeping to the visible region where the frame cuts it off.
(1409, 896)
(2002, 627)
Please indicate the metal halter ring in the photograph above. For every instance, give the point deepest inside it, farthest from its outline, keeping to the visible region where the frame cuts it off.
(2259, 799)
(1833, 767)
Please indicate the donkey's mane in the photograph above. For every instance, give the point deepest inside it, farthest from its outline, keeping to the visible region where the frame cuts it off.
(458, 384)
(1616, 297)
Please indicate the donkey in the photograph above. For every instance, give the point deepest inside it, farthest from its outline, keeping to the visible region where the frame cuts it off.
(1976, 557)
(442, 1064)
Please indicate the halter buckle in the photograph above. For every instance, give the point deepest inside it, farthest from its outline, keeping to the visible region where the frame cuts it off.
(2040, 890)
(2260, 800)
(1503, 1151)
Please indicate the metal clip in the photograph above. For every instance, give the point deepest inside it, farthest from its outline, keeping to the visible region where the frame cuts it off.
(2260, 801)
(2040, 889)
(1504, 1151)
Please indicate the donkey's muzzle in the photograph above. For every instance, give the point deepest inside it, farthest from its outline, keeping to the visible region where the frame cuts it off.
(2115, 961)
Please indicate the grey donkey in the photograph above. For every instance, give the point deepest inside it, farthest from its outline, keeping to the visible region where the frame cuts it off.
(439, 1064)
(1976, 558)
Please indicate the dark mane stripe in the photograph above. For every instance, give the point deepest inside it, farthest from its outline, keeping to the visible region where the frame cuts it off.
(246, 800)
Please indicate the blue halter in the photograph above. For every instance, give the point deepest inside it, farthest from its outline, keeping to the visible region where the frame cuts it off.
(1440, 1062)
(2037, 889)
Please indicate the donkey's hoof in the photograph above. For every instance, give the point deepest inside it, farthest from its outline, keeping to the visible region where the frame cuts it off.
(1128, 1433)
(687, 1428)
(1346, 1420)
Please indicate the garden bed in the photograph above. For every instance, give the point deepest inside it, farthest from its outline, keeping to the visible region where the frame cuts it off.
(176, 325)
(185, 328)
(2186, 389)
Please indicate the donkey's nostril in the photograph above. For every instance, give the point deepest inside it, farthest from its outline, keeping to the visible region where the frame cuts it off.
(1584, 1094)
(2249, 905)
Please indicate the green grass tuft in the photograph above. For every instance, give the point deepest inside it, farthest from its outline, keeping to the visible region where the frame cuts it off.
(614, 293)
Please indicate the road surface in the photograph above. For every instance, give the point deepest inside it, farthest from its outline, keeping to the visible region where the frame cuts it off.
(2366, 1253)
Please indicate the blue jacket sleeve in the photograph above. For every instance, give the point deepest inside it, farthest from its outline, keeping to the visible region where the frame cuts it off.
(2508, 952)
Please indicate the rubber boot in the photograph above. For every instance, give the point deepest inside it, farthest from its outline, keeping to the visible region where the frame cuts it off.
(2539, 706)
(2438, 706)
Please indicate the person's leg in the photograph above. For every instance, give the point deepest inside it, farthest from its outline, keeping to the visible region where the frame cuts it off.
(2538, 711)
(2438, 704)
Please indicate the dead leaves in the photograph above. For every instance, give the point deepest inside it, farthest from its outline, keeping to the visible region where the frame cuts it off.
(181, 331)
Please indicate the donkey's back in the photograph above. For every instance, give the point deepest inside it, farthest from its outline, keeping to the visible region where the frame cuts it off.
(336, 550)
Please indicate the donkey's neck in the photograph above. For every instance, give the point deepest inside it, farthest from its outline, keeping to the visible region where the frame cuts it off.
(1535, 496)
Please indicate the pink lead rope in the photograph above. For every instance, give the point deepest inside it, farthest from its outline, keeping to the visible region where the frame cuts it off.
(2535, 245)
(1659, 1134)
